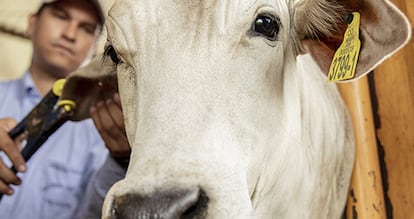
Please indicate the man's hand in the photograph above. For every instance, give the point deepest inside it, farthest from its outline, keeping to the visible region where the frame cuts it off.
(12, 149)
(109, 122)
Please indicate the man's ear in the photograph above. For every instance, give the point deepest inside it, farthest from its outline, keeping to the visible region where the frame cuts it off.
(383, 31)
(31, 25)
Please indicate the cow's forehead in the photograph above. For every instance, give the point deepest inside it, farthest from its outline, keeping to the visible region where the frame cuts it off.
(206, 19)
(228, 8)
(228, 4)
(220, 16)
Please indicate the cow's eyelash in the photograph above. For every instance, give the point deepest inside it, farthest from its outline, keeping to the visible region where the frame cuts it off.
(110, 51)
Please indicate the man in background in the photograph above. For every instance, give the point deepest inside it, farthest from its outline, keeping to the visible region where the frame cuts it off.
(54, 182)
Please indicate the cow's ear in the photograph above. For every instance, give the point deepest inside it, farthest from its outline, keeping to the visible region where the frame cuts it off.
(89, 85)
(321, 25)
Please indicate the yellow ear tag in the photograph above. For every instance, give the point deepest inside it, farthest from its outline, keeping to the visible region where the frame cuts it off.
(346, 57)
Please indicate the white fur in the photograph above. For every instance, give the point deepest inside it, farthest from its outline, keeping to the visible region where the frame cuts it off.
(209, 105)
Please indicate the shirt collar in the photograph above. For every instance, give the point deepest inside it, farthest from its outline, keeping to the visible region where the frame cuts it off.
(29, 87)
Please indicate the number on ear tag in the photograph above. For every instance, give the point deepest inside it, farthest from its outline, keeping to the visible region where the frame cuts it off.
(346, 57)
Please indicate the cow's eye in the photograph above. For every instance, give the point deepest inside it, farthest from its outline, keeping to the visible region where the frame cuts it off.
(267, 26)
(110, 51)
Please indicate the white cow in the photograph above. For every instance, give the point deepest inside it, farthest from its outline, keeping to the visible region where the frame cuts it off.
(227, 107)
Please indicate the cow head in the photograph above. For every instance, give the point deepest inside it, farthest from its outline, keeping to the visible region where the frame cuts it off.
(227, 114)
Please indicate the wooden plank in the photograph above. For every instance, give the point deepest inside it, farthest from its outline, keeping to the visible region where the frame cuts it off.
(394, 91)
(366, 198)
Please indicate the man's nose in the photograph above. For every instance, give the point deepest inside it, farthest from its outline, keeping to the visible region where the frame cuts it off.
(69, 32)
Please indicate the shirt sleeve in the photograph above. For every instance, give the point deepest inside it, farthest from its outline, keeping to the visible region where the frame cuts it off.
(110, 173)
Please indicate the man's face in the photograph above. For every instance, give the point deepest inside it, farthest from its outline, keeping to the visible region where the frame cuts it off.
(63, 35)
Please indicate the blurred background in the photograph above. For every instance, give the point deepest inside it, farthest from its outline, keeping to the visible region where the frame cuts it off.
(15, 50)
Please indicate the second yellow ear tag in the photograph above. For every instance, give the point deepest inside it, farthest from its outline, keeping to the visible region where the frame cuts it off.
(346, 57)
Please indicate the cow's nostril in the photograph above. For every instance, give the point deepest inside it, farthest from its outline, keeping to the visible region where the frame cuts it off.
(198, 209)
(172, 204)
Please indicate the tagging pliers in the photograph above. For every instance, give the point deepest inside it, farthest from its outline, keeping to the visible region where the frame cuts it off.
(43, 120)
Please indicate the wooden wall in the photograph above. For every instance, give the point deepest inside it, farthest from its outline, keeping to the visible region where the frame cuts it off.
(382, 106)
(393, 86)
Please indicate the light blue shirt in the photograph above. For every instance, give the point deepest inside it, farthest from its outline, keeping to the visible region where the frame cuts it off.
(58, 173)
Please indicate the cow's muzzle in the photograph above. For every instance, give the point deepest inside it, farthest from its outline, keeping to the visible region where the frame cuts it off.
(171, 204)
